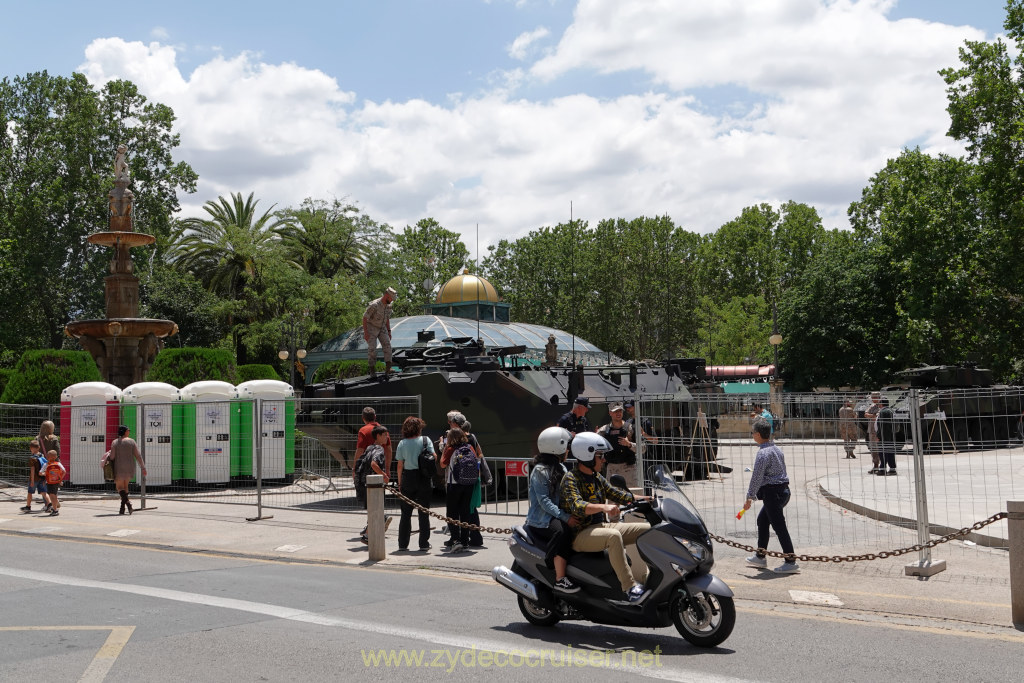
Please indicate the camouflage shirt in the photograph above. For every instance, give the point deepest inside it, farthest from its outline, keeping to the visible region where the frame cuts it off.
(377, 315)
(579, 489)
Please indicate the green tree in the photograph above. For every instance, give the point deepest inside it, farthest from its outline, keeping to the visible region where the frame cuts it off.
(58, 137)
(326, 238)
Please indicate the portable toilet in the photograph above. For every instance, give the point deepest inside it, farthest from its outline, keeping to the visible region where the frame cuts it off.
(275, 429)
(205, 432)
(147, 409)
(89, 416)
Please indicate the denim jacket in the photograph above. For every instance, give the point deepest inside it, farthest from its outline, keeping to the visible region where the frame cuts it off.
(542, 507)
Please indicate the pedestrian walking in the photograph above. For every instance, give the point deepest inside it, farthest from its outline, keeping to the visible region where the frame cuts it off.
(36, 480)
(769, 483)
(124, 454)
(54, 473)
(48, 440)
(371, 462)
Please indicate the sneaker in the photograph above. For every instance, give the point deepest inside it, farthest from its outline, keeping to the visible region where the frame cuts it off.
(448, 545)
(364, 538)
(787, 568)
(891, 473)
(425, 548)
(54, 513)
(27, 508)
(873, 470)
(880, 473)
(457, 547)
(566, 585)
(48, 508)
(636, 593)
(758, 561)
(387, 523)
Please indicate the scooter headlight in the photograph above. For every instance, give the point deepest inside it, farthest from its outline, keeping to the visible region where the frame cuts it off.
(698, 551)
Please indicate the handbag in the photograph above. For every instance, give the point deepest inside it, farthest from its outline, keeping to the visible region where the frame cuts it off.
(108, 467)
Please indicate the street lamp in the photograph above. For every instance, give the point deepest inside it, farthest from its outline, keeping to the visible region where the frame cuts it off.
(293, 329)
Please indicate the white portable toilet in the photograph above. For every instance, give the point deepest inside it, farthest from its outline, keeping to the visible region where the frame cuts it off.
(89, 416)
(147, 409)
(207, 419)
(274, 427)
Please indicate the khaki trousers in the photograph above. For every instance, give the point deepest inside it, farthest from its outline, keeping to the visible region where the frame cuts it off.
(380, 333)
(614, 538)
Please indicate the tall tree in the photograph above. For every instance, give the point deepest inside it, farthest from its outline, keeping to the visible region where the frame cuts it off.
(325, 238)
(58, 137)
(425, 252)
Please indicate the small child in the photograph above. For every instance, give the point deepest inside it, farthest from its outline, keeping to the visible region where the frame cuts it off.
(372, 462)
(35, 475)
(54, 473)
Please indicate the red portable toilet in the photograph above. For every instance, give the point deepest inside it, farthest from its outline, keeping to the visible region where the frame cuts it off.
(89, 416)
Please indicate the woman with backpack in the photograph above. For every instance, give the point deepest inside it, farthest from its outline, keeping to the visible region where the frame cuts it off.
(546, 520)
(414, 482)
(462, 471)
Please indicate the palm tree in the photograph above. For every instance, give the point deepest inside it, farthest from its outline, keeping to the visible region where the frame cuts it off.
(326, 239)
(227, 250)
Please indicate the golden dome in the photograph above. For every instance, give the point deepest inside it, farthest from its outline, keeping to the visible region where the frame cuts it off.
(466, 287)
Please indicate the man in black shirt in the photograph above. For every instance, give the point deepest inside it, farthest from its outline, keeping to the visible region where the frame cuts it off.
(622, 458)
(576, 419)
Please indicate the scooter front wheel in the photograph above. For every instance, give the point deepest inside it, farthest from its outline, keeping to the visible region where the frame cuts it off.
(704, 619)
(537, 615)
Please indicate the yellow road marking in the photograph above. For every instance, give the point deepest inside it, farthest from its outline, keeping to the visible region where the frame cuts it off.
(104, 659)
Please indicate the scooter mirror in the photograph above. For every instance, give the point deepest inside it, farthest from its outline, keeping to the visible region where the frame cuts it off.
(618, 481)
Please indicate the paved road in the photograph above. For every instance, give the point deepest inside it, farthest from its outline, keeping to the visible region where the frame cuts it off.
(91, 611)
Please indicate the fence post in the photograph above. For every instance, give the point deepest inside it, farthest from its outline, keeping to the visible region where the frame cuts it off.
(925, 565)
(375, 511)
(257, 451)
(140, 419)
(1015, 527)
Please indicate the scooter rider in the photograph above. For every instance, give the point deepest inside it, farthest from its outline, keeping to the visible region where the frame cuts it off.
(583, 494)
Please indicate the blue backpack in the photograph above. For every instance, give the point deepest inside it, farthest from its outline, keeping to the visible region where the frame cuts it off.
(465, 465)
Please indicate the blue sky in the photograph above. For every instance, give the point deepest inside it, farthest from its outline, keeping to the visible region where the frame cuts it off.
(501, 112)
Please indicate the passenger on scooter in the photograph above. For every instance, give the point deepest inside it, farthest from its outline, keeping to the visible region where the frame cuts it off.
(545, 519)
(583, 494)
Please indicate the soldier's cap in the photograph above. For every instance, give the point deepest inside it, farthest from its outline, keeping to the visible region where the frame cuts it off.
(391, 291)
(615, 408)
(582, 401)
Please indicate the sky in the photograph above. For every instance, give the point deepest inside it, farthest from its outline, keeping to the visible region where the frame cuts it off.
(499, 117)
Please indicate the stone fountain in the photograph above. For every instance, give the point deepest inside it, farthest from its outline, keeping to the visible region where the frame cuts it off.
(122, 344)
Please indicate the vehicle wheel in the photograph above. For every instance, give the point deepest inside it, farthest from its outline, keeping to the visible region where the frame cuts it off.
(537, 615)
(706, 621)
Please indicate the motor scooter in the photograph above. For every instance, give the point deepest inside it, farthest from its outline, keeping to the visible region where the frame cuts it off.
(681, 590)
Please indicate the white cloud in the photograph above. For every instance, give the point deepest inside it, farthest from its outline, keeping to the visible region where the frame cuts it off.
(521, 45)
(829, 90)
(159, 33)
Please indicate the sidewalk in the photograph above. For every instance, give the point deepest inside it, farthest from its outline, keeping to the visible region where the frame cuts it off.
(972, 595)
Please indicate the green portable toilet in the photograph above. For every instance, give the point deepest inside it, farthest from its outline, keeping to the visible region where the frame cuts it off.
(147, 408)
(275, 429)
(205, 438)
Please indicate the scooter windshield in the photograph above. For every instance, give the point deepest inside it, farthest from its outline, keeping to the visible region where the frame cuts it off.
(675, 506)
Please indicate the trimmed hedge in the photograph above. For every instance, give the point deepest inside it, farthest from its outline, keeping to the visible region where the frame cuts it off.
(186, 365)
(256, 371)
(344, 369)
(41, 375)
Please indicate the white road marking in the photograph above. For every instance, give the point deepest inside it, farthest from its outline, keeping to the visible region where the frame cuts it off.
(813, 598)
(276, 611)
(42, 530)
(289, 548)
(4, 519)
(123, 532)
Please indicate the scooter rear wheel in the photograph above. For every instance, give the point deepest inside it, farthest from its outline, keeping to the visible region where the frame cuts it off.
(706, 620)
(537, 615)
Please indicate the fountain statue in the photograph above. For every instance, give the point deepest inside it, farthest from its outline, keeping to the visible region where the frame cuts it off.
(122, 344)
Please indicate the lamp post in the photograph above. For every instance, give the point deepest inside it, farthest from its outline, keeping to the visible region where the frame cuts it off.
(293, 329)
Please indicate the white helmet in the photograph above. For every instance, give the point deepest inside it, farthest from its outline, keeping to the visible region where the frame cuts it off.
(586, 445)
(554, 440)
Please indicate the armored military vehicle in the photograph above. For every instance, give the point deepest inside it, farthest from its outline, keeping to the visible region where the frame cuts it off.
(507, 401)
(961, 407)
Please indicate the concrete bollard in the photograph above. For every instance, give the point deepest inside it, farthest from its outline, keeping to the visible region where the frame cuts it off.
(375, 523)
(1015, 527)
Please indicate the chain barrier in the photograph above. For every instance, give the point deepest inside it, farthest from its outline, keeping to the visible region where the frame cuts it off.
(449, 520)
(881, 555)
(867, 556)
